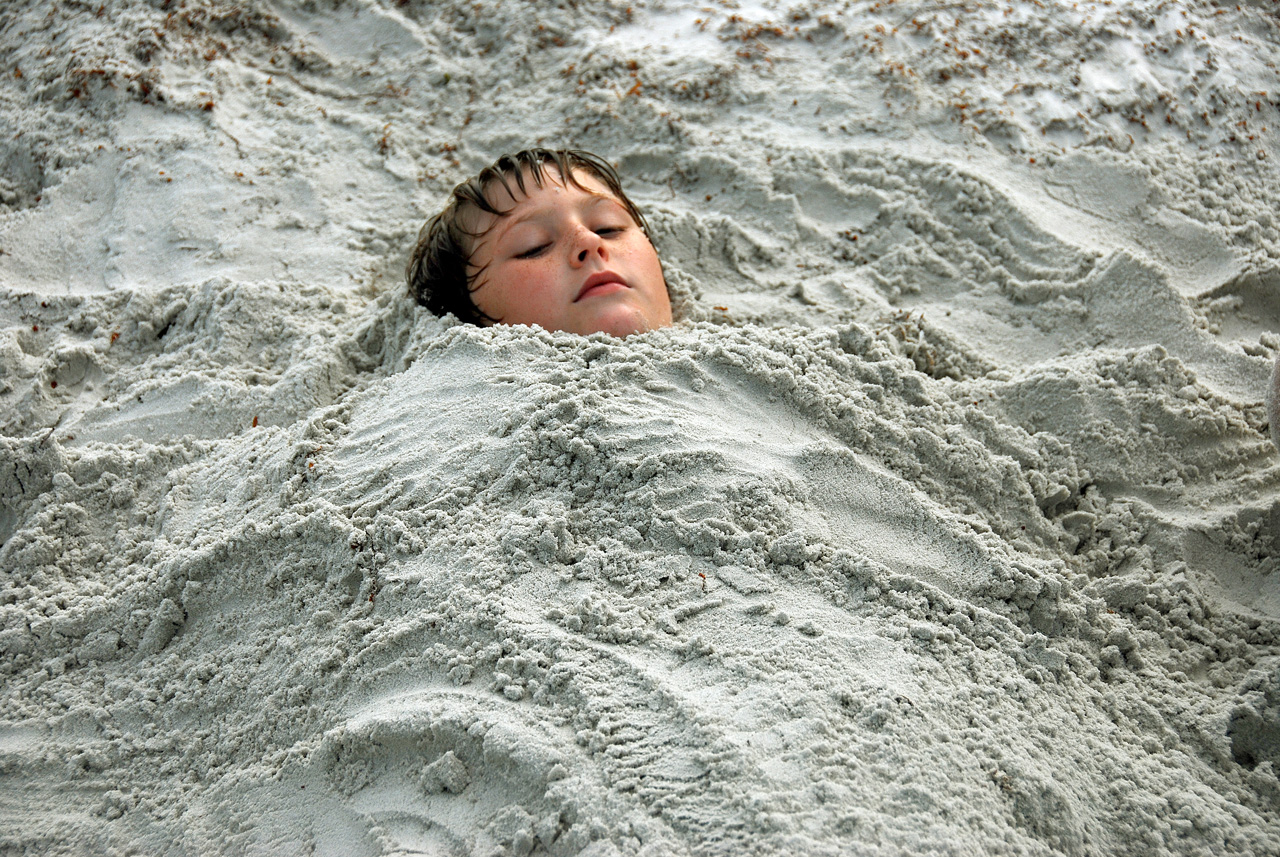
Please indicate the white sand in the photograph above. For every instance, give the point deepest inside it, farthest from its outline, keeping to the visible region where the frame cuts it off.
(947, 521)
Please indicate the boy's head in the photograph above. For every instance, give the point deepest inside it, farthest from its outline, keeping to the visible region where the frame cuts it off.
(542, 237)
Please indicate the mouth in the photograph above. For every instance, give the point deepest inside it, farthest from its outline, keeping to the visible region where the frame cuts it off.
(604, 282)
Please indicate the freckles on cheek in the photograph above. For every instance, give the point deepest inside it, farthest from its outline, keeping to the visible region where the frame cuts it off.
(535, 277)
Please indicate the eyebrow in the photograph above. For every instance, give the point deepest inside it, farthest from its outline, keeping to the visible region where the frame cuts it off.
(513, 222)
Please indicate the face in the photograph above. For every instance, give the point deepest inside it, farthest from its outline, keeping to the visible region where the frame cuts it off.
(567, 259)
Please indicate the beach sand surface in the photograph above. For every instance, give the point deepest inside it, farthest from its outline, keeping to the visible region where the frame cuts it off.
(946, 520)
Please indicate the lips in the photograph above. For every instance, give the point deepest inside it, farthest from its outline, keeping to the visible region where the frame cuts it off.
(600, 283)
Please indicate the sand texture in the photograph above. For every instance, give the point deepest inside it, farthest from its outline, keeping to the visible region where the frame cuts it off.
(945, 521)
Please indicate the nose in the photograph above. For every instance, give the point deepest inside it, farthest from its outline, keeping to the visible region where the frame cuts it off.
(587, 244)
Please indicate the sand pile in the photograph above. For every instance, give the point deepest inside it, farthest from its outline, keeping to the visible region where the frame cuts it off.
(945, 522)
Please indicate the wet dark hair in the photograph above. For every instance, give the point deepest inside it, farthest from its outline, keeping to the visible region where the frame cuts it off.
(437, 271)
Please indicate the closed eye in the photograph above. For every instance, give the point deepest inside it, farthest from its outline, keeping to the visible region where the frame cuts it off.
(609, 230)
(532, 252)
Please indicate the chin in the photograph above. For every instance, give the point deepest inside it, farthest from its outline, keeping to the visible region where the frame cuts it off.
(623, 324)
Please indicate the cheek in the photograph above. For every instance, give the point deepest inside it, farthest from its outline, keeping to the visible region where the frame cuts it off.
(519, 294)
(651, 263)
(535, 280)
